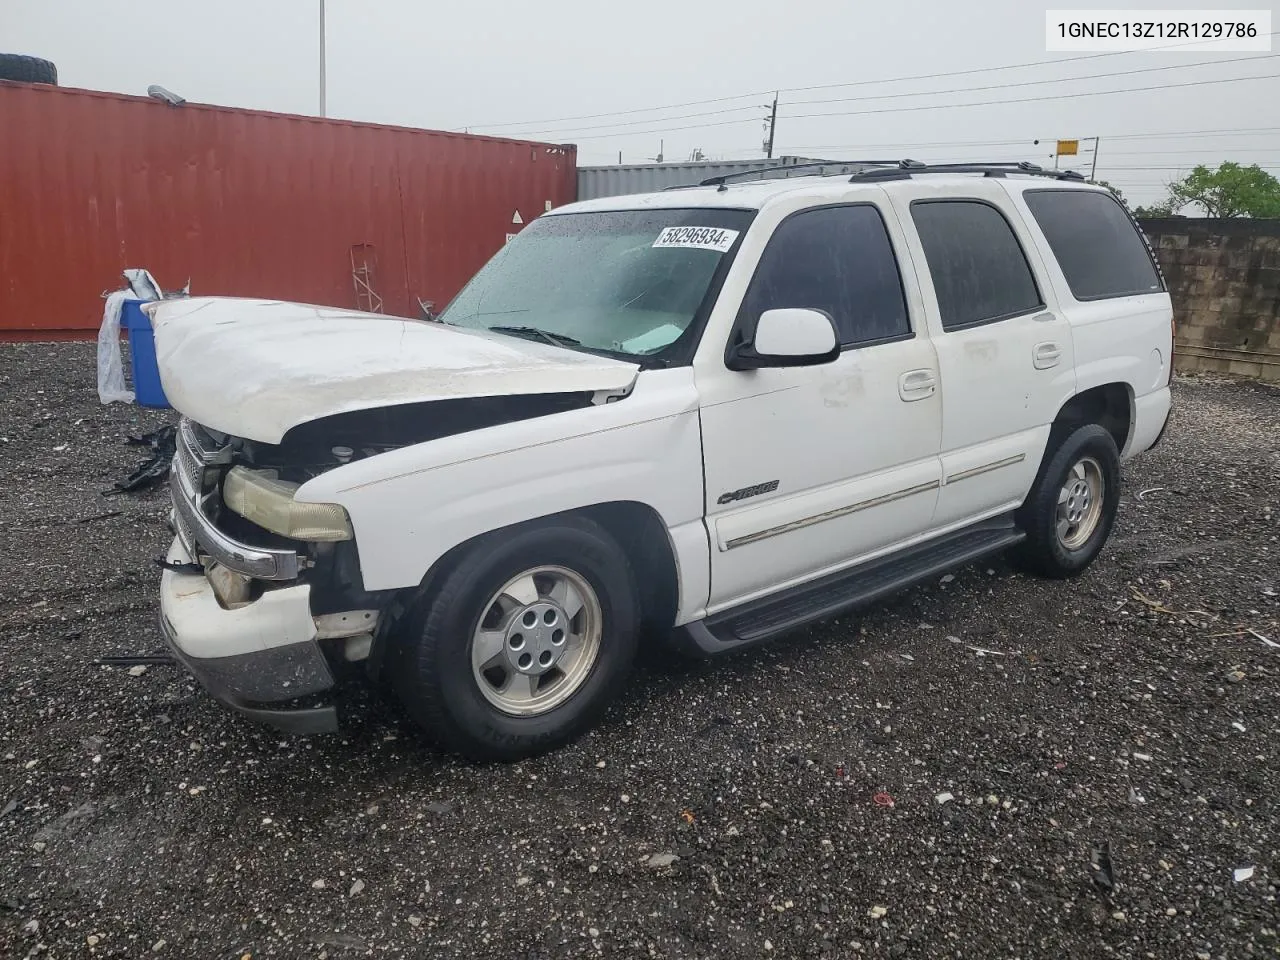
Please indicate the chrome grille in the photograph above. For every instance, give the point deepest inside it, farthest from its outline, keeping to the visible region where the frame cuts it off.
(186, 459)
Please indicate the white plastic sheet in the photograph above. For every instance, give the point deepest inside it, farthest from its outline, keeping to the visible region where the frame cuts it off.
(111, 385)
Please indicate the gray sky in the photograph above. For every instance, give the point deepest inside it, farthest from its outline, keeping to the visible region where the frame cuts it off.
(479, 65)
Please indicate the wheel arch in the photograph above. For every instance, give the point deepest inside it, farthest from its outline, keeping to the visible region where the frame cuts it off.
(637, 527)
(1110, 405)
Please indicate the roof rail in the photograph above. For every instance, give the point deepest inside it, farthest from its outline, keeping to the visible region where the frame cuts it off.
(761, 173)
(881, 170)
(905, 169)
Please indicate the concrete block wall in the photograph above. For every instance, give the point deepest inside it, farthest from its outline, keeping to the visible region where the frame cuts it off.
(1224, 277)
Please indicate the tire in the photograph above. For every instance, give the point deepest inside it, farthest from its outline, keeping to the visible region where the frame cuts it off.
(1055, 547)
(14, 66)
(462, 705)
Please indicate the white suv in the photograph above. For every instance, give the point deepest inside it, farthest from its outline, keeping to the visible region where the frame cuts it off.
(708, 416)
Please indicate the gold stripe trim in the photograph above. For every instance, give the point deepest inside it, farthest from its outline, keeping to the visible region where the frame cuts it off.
(830, 515)
(986, 468)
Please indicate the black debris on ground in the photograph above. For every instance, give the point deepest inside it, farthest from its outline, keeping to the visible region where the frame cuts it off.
(155, 469)
(1077, 769)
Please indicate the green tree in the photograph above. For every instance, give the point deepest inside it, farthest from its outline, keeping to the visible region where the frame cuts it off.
(1155, 211)
(1229, 191)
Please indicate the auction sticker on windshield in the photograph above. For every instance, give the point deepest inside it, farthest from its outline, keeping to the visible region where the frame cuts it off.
(697, 238)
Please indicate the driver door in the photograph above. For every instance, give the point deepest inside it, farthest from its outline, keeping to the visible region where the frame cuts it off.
(810, 469)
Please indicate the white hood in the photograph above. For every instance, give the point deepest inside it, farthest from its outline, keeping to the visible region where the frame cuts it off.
(257, 368)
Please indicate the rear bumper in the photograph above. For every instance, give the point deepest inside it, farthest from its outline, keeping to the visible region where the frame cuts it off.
(259, 660)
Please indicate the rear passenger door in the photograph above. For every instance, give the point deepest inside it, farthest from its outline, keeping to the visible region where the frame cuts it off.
(1005, 351)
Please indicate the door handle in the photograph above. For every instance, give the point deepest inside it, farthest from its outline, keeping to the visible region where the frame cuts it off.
(917, 385)
(1044, 317)
(1047, 355)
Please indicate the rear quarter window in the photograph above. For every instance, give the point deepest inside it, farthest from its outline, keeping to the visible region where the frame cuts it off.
(1096, 243)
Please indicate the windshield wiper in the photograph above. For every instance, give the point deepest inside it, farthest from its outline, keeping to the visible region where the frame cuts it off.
(555, 339)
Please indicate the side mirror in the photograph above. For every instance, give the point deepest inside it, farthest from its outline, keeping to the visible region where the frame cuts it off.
(790, 337)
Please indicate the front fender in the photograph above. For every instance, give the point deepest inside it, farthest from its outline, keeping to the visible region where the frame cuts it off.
(410, 506)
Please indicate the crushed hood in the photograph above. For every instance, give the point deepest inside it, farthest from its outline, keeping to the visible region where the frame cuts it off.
(257, 368)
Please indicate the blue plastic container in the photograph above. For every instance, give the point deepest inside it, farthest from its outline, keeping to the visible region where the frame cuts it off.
(142, 355)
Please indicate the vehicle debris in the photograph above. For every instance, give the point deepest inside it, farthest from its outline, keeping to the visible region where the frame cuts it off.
(156, 467)
(944, 797)
(1142, 494)
(1241, 874)
(1100, 865)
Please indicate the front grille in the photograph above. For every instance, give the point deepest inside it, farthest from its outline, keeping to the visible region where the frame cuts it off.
(193, 483)
(186, 460)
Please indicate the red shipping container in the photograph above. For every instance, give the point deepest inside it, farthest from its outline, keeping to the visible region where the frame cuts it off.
(245, 203)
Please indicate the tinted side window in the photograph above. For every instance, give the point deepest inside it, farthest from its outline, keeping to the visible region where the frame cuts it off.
(1096, 244)
(836, 259)
(980, 272)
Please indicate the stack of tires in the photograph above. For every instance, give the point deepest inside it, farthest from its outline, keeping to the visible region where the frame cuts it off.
(15, 66)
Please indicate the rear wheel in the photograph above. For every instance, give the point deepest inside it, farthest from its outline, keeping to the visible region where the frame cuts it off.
(1072, 507)
(529, 637)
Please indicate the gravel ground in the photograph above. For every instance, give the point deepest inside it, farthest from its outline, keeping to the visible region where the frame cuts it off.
(708, 816)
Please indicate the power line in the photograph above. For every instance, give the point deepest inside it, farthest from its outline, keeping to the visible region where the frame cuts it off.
(1188, 165)
(1033, 83)
(1198, 152)
(1022, 142)
(833, 86)
(944, 106)
(1060, 96)
(573, 131)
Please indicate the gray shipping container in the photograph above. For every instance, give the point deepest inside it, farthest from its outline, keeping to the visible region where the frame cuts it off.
(619, 180)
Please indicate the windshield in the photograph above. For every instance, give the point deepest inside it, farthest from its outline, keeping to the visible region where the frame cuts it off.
(624, 281)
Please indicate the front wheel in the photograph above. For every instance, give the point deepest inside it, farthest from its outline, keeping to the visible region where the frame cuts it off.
(527, 640)
(1072, 507)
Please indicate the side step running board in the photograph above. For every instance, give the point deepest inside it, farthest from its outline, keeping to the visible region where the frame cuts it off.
(769, 617)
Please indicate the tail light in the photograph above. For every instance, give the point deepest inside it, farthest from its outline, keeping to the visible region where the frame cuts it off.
(1173, 346)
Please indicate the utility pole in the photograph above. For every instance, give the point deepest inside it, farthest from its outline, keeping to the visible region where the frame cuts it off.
(322, 45)
(773, 124)
(1093, 168)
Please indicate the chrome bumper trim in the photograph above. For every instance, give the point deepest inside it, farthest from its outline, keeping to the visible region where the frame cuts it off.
(194, 525)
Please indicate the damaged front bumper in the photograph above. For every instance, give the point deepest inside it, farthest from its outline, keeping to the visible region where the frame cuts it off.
(261, 659)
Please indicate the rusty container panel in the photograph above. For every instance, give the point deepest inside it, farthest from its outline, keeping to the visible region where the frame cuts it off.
(245, 203)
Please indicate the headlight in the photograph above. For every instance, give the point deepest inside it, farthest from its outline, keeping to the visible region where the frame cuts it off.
(269, 503)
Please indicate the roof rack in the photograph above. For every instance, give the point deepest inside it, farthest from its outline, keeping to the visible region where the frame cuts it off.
(762, 173)
(905, 169)
(881, 170)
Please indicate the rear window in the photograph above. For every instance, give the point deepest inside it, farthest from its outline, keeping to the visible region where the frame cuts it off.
(1098, 247)
(980, 272)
